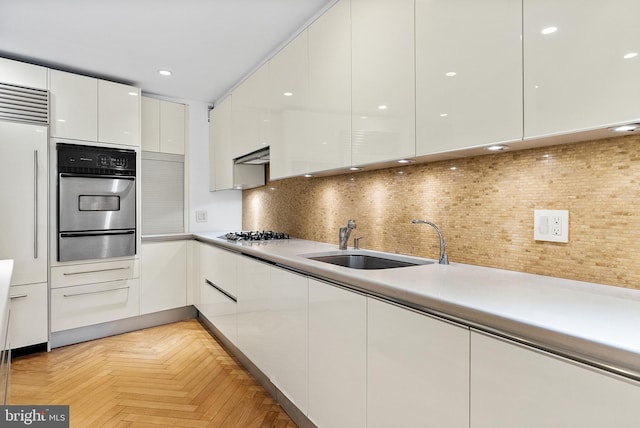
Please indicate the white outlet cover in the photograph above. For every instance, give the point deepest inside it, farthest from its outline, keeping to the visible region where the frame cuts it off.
(551, 225)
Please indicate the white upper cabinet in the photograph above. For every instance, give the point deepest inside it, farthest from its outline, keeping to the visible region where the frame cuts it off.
(468, 74)
(383, 80)
(250, 106)
(74, 106)
(289, 99)
(163, 126)
(23, 74)
(118, 113)
(220, 147)
(329, 142)
(580, 71)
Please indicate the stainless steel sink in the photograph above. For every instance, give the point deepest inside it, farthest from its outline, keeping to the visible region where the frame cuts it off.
(362, 259)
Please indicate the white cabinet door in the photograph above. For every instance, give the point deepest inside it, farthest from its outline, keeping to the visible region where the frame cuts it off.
(383, 80)
(150, 124)
(218, 289)
(417, 369)
(23, 217)
(289, 303)
(337, 356)
(220, 147)
(516, 386)
(289, 99)
(23, 74)
(74, 106)
(172, 127)
(250, 119)
(29, 318)
(328, 145)
(255, 317)
(163, 276)
(583, 75)
(118, 113)
(468, 74)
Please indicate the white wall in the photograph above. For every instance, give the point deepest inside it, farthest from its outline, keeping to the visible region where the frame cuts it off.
(224, 209)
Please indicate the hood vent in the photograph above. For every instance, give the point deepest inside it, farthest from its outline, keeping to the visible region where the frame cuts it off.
(22, 104)
(259, 157)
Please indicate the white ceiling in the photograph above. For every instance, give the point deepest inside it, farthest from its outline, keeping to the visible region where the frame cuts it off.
(209, 45)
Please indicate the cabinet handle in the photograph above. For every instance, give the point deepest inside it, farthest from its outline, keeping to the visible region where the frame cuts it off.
(18, 296)
(35, 204)
(96, 292)
(230, 296)
(95, 271)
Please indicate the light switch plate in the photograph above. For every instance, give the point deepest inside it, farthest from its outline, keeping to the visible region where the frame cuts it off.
(201, 216)
(551, 225)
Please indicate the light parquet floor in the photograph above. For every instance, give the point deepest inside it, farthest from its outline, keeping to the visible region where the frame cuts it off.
(175, 375)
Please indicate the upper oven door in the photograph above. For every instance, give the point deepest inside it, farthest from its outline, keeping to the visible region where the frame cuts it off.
(93, 203)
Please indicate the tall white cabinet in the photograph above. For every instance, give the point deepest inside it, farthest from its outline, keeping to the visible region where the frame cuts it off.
(580, 71)
(383, 80)
(468, 74)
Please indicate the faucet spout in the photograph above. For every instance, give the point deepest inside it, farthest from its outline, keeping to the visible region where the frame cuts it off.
(444, 260)
(345, 232)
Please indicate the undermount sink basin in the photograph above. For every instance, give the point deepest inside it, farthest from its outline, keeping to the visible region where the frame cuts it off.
(358, 259)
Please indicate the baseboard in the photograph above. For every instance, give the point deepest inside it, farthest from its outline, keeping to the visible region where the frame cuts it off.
(97, 331)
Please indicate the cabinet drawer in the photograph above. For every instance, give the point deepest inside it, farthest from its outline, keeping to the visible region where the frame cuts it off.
(28, 319)
(84, 305)
(65, 276)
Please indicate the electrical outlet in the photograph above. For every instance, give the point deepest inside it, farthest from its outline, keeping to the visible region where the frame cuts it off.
(201, 216)
(551, 225)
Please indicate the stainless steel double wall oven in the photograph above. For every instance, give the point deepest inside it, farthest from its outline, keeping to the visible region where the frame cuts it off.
(96, 202)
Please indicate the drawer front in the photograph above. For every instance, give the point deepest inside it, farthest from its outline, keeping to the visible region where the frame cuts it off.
(91, 273)
(28, 322)
(85, 305)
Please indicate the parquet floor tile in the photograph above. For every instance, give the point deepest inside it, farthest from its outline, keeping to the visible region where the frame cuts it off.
(175, 375)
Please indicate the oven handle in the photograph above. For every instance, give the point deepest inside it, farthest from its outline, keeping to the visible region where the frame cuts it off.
(117, 177)
(98, 233)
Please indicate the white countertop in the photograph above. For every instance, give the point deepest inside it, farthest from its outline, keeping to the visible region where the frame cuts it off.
(594, 323)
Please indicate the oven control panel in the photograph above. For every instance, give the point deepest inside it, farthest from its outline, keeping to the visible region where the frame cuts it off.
(79, 159)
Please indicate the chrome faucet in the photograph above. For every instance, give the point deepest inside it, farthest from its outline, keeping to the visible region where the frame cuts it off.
(345, 232)
(444, 260)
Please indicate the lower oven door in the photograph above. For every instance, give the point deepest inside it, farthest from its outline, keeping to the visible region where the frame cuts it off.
(96, 245)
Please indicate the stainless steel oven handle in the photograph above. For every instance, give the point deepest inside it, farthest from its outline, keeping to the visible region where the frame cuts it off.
(35, 204)
(96, 292)
(95, 271)
(98, 233)
(117, 177)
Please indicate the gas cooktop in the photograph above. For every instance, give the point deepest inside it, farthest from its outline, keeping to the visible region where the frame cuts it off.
(265, 235)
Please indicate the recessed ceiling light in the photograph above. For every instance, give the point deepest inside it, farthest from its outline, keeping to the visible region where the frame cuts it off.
(497, 148)
(382, 107)
(450, 73)
(288, 94)
(444, 114)
(630, 55)
(308, 175)
(164, 72)
(549, 30)
(355, 168)
(626, 128)
(405, 161)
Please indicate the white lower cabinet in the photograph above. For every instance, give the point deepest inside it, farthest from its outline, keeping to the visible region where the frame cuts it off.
(217, 289)
(337, 356)
(516, 386)
(83, 305)
(29, 315)
(163, 276)
(417, 369)
(93, 293)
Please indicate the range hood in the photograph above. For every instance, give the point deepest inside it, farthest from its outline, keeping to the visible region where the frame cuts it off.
(250, 170)
(259, 157)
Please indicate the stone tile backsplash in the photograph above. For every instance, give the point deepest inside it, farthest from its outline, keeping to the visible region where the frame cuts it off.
(484, 207)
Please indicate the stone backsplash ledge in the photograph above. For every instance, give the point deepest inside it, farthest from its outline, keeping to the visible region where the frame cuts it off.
(484, 207)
